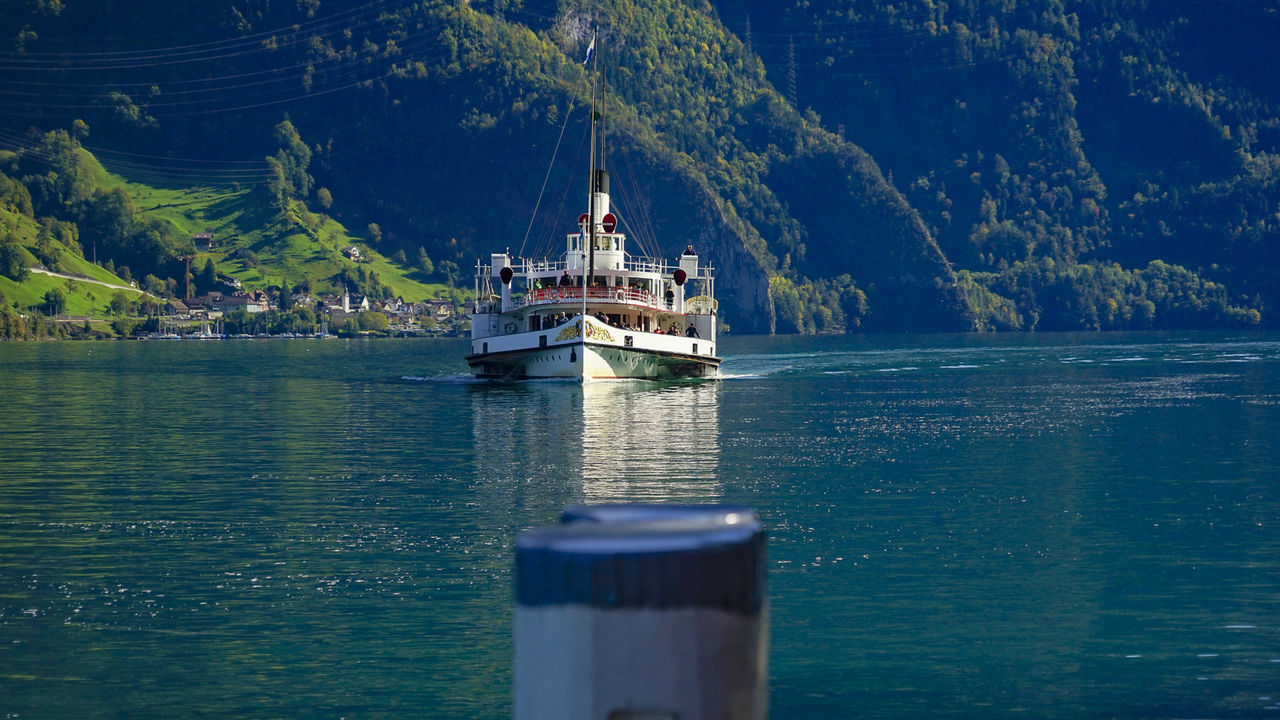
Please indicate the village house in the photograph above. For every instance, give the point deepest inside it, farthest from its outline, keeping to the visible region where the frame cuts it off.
(342, 306)
(439, 309)
(205, 306)
(254, 301)
(355, 303)
(395, 308)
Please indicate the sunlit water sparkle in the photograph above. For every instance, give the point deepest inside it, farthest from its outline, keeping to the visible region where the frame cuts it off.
(1046, 526)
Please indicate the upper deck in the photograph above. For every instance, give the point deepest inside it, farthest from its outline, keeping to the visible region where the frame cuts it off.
(507, 284)
(595, 258)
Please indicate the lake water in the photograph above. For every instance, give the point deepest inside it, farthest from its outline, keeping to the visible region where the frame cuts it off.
(1050, 526)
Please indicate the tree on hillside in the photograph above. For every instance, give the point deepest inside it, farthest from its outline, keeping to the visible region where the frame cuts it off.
(424, 262)
(123, 327)
(372, 321)
(54, 173)
(289, 167)
(207, 279)
(154, 285)
(65, 232)
(452, 273)
(55, 302)
(119, 303)
(15, 196)
(49, 253)
(13, 261)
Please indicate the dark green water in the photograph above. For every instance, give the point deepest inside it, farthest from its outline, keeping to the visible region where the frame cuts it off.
(1050, 526)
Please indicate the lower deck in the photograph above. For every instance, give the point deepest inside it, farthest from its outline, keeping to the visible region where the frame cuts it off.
(605, 353)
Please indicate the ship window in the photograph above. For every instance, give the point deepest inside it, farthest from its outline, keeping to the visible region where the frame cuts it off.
(695, 348)
(542, 341)
(627, 340)
(485, 349)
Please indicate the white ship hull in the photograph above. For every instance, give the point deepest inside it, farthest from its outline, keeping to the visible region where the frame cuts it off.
(608, 353)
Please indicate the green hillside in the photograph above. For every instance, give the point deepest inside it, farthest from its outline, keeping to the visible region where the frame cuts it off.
(894, 165)
(1090, 164)
(263, 247)
(81, 297)
(54, 224)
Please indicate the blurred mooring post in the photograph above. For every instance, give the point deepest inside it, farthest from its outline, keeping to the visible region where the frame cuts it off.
(653, 612)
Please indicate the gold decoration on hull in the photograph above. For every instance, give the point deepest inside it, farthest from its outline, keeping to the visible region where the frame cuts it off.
(598, 332)
(568, 333)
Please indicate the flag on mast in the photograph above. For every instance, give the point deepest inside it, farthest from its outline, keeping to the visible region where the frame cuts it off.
(591, 50)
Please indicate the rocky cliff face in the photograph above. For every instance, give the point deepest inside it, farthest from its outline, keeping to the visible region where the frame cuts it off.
(742, 284)
(664, 196)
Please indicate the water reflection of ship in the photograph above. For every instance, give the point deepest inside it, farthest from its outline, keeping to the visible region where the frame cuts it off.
(621, 440)
(642, 441)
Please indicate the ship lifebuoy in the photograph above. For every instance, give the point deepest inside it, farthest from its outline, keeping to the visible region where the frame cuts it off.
(510, 328)
(621, 296)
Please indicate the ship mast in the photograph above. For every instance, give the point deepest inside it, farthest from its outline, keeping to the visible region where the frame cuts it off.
(589, 277)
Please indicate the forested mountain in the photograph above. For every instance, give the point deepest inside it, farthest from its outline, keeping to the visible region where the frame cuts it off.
(846, 164)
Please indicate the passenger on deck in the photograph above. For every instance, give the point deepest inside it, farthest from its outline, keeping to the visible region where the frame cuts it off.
(691, 331)
(565, 280)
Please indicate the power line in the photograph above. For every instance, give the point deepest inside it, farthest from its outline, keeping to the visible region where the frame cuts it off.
(293, 33)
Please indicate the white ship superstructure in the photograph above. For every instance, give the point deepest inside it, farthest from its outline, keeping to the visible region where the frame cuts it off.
(639, 317)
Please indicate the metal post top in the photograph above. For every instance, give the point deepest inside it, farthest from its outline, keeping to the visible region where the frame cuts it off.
(627, 528)
(645, 556)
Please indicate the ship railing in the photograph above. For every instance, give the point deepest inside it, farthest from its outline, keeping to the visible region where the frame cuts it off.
(542, 266)
(571, 293)
(641, 264)
(633, 263)
(659, 266)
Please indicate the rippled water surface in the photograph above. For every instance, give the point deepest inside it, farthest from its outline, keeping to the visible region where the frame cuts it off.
(1036, 526)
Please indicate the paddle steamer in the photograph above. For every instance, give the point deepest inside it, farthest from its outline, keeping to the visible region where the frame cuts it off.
(594, 311)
